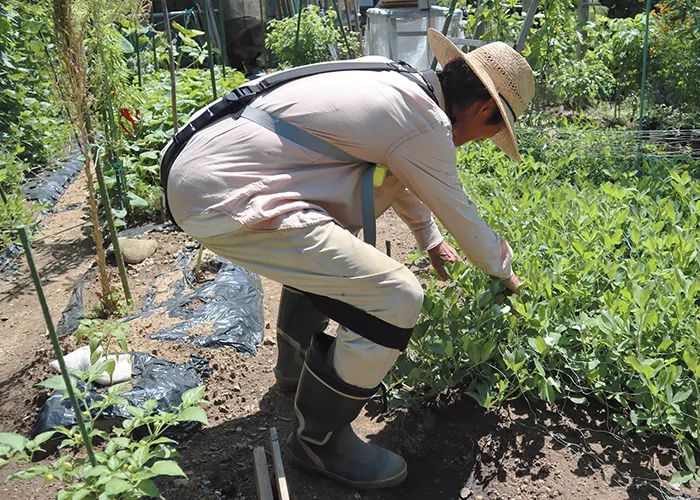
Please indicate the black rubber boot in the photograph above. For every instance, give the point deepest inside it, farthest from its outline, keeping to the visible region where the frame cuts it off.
(297, 321)
(324, 441)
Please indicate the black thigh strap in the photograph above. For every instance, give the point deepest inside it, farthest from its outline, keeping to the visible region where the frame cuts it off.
(361, 322)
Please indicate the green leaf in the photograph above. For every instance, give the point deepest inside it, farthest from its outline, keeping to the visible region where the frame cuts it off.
(193, 414)
(14, 441)
(688, 455)
(680, 477)
(149, 488)
(42, 438)
(135, 411)
(167, 468)
(98, 470)
(56, 382)
(115, 486)
(664, 345)
(692, 361)
(136, 201)
(148, 155)
(192, 395)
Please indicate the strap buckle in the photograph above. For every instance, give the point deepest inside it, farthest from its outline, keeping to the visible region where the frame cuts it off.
(240, 93)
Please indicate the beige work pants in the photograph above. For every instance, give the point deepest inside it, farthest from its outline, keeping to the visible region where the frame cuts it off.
(328, 260)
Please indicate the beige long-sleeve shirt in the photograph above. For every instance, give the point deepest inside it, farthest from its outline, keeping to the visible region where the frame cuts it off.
(235, 173)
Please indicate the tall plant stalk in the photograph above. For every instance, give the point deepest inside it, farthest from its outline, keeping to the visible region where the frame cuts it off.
(69, 34)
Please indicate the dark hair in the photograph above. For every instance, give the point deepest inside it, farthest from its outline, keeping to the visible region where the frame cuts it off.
(462, 88)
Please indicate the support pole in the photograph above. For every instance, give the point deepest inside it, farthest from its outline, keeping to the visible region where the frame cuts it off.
(222, 34)
(24, 236)
(446, 27)
(342, 29)
(263, 29)
(137, 48)
(347, 14)
(207, 25)
(296, 37)
(644, 86)
(527, 25)
(173, 92)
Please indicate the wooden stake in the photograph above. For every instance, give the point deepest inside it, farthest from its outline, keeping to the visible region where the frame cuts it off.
(262, 475)
(281, 478)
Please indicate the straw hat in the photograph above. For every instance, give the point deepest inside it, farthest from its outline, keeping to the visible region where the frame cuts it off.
(505, 74)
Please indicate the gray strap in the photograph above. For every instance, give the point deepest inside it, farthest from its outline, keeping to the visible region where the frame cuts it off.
(369, 219)
(304, 139)
(295, 134)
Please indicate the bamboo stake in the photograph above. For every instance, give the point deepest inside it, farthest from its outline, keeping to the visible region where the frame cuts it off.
(280, 476)
(262, 475)
(24, 236)
(137, 47)
(110, 224)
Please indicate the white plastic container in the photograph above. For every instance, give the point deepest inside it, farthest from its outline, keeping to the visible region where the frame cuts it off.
(401, 34)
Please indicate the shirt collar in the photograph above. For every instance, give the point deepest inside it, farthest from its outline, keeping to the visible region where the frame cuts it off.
(432, 78)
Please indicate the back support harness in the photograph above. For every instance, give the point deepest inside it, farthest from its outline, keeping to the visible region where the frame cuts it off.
(237, 104)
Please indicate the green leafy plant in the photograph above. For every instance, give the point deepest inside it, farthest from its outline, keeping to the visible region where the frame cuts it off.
(125, 464)
(317, 34)
(610, 305)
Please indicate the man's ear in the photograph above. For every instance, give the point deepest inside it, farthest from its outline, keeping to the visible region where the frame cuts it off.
(487, 108)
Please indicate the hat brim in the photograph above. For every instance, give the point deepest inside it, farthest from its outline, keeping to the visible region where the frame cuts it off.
(445, 51)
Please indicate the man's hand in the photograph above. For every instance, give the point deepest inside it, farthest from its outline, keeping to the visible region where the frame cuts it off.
(512, 283)
(441, 255)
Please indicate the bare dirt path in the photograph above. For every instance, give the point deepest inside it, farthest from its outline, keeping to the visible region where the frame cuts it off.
(456, 451)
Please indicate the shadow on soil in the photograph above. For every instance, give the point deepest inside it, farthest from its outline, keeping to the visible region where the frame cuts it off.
(442, 450)
(53, 259)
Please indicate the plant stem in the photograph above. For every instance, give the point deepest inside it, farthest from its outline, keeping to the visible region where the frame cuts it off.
(199, 259)
(24, 236)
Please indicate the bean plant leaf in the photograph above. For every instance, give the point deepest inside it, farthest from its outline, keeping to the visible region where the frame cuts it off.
(680, 477)
(688, 455)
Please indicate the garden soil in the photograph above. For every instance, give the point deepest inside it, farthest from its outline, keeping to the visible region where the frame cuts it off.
(454, 448)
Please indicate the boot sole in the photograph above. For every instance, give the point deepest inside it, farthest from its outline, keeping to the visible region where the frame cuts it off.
(363, 485)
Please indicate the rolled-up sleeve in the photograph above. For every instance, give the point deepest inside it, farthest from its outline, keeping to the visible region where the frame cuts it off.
(419, 219)
(426, 165)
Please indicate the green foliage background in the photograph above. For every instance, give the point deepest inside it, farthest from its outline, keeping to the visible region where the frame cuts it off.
(610, 309)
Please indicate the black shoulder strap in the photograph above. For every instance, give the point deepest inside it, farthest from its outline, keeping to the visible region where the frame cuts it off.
(245, 94)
